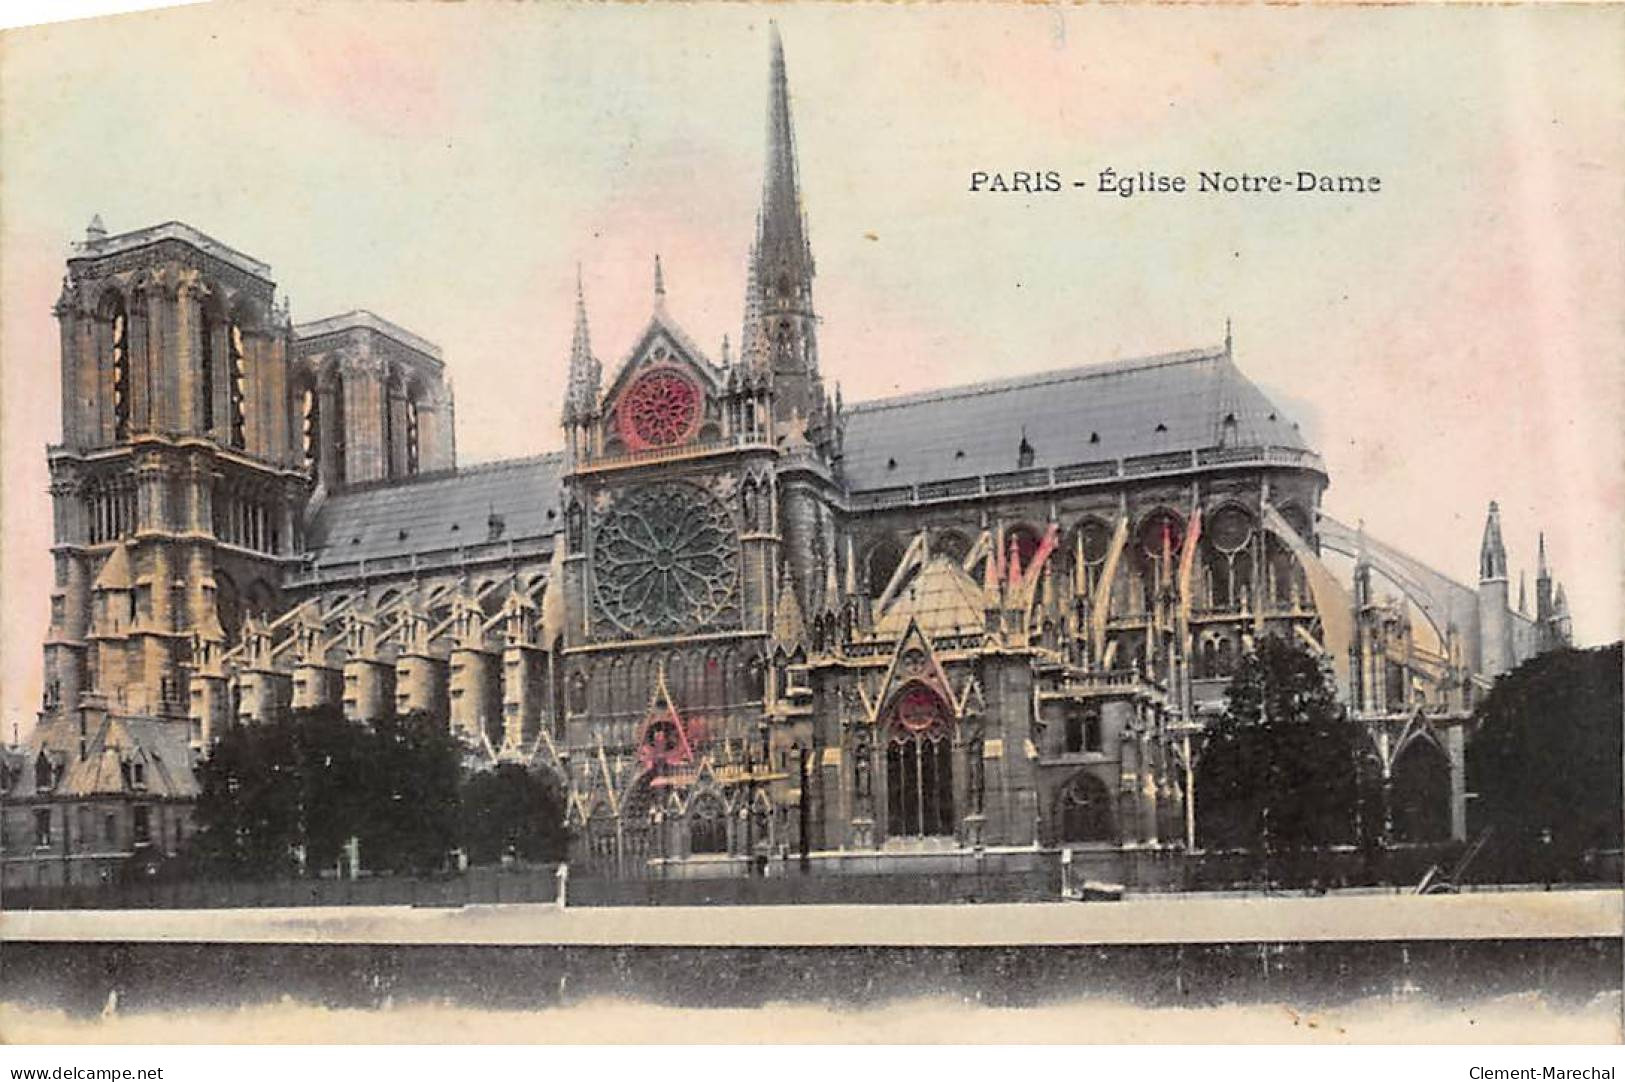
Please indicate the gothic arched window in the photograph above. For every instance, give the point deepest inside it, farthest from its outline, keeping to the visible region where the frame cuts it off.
(118, 366)
(707, 825)
(239, 386)
(310, 430)
(883, 560)
(1085, 810)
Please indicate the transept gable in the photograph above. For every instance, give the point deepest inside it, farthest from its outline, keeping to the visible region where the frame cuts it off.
(663, 342)
(665, 394)
(914, 663)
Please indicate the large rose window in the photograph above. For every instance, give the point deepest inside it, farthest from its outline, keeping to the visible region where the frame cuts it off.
(660, 409)
(665, 560)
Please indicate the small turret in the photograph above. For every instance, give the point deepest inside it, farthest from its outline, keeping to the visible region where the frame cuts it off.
(1494, 612)
(1492, 553)
(585, 373)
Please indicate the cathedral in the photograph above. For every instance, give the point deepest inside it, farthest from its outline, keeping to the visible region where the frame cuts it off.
(736, 616)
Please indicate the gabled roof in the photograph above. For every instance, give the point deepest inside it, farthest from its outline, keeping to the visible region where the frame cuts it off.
(439, 511)
(162, 748)
(1168, 403)
(115, 573)
(942, 599)
(661, 323)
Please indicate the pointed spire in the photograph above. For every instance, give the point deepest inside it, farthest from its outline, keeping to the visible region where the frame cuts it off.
(1492, 554)
(95, 232)
(781, 195)
(752, 341)
(1014, 563)
(660, 282)
(789, 626)
(991, 578)
(1541, 570)
(1523, 593)
(1228, 341)
(581, 388)
(779, 319)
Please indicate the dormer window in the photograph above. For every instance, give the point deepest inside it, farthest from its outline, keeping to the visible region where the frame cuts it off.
(1024, 454)
(138, 775)
(44, 773)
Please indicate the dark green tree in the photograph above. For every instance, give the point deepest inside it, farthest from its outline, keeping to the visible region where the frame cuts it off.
(1544, 760)
(513, 810)
(411, 779)
(1285, 769)
(247, 814)
(334, 797)
(313, 780)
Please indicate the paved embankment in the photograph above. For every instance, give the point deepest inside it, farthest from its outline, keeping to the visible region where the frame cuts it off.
(1174, 919)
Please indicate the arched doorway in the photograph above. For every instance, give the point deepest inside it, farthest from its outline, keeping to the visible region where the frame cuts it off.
(1083, 810)
(1419, 794)
(919, 765)
(707, 825)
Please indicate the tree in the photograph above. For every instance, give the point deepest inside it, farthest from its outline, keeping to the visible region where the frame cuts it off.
(513, 810)
(411, 780)
(313, 780)
(333, 756)
(1286, 768)
(247, 811)
(1544, 759)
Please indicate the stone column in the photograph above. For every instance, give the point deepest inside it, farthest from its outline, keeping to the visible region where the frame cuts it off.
(1456, 746)
(140, 356)
(187, 360)
(67, 315)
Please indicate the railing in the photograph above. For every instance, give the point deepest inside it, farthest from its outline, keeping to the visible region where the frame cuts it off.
(673, 454)
(1103, 470)
(428, 560)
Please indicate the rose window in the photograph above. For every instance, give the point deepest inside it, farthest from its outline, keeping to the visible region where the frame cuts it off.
(919, 712)
(660, 409)
(665, 560)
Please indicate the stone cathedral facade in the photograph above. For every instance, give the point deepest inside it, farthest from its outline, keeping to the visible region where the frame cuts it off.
(736, 615)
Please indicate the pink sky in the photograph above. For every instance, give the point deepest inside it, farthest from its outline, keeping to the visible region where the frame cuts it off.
(1456, 339)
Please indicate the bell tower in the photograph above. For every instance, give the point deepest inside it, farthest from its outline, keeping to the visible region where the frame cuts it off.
(176, 489)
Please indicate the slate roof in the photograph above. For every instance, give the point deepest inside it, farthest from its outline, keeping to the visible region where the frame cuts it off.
(942, 597)
(163, 747)
(438, 511)
(978, 429)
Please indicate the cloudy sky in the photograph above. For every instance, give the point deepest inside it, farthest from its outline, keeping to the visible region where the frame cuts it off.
(1453, 339)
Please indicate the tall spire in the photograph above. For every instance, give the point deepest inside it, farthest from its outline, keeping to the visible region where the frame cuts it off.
(1541, 570)
(779, 321)
(581, 389)
(1492, 554)
(781, 230)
